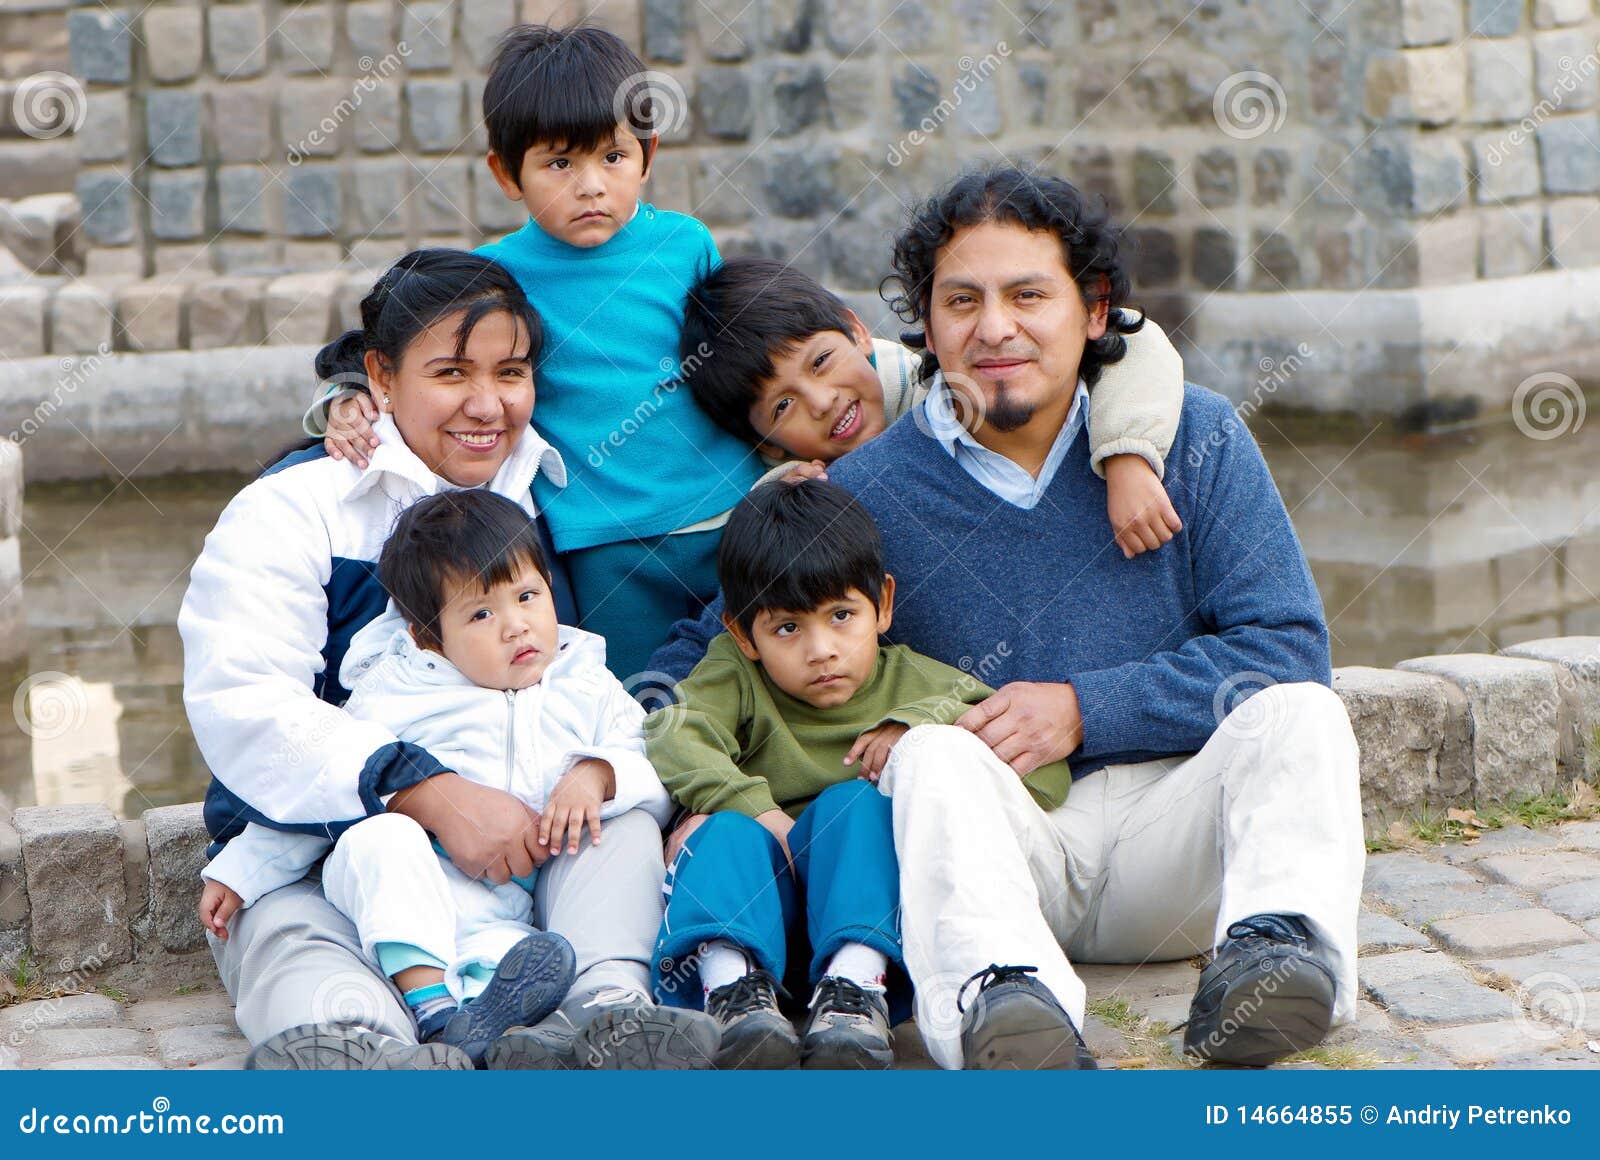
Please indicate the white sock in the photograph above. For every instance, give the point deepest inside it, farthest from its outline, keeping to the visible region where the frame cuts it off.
(862, 965)
(721, 962)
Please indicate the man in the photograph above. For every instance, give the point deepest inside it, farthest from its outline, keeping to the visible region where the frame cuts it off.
(1198, 819)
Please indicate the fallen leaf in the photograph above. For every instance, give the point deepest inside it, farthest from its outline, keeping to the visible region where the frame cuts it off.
(1401, 835)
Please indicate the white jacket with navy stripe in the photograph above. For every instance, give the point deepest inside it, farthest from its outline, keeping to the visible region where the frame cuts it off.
(285, 580)
(519, 741)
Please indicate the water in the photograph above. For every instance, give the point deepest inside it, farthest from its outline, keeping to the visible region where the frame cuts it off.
(1462, 544)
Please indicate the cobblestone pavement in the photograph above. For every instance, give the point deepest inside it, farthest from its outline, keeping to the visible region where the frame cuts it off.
(1473, 955)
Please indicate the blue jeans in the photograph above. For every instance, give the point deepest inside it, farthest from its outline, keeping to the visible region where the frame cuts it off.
(731, 881)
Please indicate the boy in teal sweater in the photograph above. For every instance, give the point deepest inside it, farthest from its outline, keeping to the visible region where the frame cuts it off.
(651, 479)
(780, 736)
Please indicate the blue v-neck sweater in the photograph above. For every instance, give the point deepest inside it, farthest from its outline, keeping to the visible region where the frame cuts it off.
(1158, 648)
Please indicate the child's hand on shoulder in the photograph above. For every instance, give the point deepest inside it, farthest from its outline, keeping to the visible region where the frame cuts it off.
(218, 904)
(350, 434)
(800, 472)
(575, 803)
(873, 748)
(1142, 515)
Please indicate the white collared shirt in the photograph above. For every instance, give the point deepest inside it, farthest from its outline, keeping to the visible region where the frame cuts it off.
(393, 458)
(994, 471)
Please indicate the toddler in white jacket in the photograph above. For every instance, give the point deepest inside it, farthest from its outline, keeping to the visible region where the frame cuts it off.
(469, 663)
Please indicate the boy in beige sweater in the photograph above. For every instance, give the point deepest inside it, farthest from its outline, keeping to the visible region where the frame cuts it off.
(780, 361)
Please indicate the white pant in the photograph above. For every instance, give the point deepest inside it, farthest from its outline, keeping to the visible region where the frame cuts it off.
(385, 877)
(292, 958)
(1144, 862)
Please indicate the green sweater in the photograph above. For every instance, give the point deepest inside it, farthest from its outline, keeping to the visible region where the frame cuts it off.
(735, 741)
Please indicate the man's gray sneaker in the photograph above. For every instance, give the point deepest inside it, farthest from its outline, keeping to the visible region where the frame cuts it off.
(848, 1027)
(756, 1035)
(631, 1032)
(1015, 1022)
(549, 1045)
(339, 1047)
(1268, 993)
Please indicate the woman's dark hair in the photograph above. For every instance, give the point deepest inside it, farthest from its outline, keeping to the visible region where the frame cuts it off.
(563, 86)
(1091, 247)
(791, 547)
(737, 318)
(452, 538)
(413, 294)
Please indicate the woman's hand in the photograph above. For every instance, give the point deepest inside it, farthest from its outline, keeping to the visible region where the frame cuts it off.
(218, 904)
(350, 434)
(1142, 515)
(874, 746)
(487, 833)
(575, 802)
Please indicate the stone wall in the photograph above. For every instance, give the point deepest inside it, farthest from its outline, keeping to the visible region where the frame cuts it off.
(84, 891)
(1379, 207)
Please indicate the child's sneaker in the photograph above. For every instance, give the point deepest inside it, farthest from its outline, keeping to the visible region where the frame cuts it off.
(755, 1034)
(848, 1027)
(529, 983)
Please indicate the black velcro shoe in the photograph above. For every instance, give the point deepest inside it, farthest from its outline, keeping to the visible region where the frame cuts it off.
(1015, 1022)
(756, 1035)
(341, 1047)
(1266, 995)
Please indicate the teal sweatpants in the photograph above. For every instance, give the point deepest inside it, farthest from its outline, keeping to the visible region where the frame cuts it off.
(633, 592)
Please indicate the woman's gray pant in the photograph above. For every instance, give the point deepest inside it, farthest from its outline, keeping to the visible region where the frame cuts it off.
(292, 958)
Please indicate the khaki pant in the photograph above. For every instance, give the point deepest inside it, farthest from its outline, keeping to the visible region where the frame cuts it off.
(292, 958)
(1143, 862)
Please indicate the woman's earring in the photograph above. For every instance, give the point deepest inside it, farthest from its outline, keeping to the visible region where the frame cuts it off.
(386, 400)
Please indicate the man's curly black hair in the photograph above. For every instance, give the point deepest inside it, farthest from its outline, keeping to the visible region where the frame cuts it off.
(1091, 245)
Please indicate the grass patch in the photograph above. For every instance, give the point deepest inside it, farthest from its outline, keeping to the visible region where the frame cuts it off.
(1577, 801)
(1116, 1012)
(23, 982)
(115, 994)
(186, 988)
(1146, 1038)
(1337, 1057)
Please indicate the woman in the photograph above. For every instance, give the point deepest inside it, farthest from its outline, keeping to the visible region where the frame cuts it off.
(449, 344)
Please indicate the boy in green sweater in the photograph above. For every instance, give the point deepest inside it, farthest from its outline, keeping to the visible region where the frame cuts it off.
(776, 746)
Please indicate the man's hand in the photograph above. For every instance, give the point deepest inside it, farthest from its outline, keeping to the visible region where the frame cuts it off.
(874, 746)
(1142, 515)
(681, 835)
(487, 833)
(575, 803)
(1027, 724)
(350, 434)
(218, 904)
(779, 824)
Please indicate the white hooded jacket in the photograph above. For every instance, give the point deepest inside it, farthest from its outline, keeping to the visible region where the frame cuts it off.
(521, 741)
